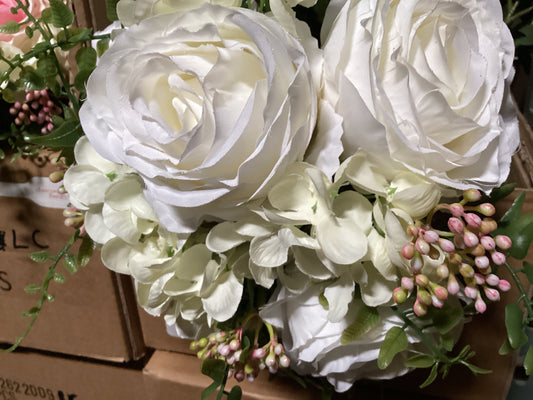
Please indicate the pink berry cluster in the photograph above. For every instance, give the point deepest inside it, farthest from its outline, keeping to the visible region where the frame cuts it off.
(37, 108)
(470, 253)
(244, 364)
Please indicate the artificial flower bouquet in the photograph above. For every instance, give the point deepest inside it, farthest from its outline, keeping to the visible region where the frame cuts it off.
(296, 186)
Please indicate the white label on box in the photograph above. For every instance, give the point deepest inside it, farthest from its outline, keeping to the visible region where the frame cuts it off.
(39, 189)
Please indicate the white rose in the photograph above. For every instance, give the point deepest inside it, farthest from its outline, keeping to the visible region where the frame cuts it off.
(426, 81)
(208, 106)
(313, 344)
(132, 12)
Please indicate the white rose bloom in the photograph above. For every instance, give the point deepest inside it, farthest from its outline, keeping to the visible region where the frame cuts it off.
(425, 82)
(132, 12)
(313, 345)
(208, 106)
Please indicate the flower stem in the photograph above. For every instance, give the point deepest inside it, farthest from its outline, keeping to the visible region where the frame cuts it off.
(523, 296)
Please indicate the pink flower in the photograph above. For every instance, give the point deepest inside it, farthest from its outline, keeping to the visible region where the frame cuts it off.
(20, 39)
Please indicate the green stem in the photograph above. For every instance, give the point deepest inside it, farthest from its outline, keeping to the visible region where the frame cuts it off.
(523, 296)
(44, 290)
(436, 352)
(510, 18)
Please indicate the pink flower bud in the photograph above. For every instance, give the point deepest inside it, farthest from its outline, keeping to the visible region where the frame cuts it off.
(220, 337)
(441, 293)
(504, 285)
(421, 280)
(446, 245)
(412, 230)
(457, 209)
(498, 258)
(399, 295)
(431, 236)
(407, 283)
(56, 176)
(239, 376)
(258, 353)
(278, 349)
(481, 307)
(487, 209)
(471, 292)
(479, 250)
(416, 264)
(284, 361)
(408, 251)
(482, 262)
(423, 297)
(470, 239)
(472, 195)
(422, 246)
(488, 243)
(480, 280)
(472, 220)
(503, 242)
(488, 225)
(492, 294)
(492, 280)
(453, 285)
(420, 309)
(443, 271)
(466, 270)
(455, 225)
(436, 302)
(270, 360)
(224, 350)
(234, 344)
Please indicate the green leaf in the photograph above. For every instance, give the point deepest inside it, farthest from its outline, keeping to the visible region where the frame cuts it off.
(447, 341)
(86, 58)
(528, 361)
(102, 46)
(62, 16)
(46, 15)
(528, 270)
(420, 361)
(527, 39)
(216, 370)
(395, 342)
(505, 348)
(431, 377)
(323, 301)
(514, 212)
(79, 35)
(69, 262)
(501, 192)
(40, 256)
(366, 319)
(30, 80)
(33, 288)
(446, 318)
(28, 31)
(111, 10)
(522, 238)
(46, 66)
(475, 369)
(31, 312)
(85, 252)
(64, 135)
(515, 326)
(10, 27)
(59, 277)
(235, 393)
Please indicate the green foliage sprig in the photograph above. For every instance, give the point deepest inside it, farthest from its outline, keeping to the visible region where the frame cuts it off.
(58, 38)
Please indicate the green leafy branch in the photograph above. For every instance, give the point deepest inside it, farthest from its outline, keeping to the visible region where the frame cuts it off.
(438, 358)
(71, 263)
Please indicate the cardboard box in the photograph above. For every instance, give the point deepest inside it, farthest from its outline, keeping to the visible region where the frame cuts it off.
(27, 375)
(171, 375)
(155, 335)
(94, 313)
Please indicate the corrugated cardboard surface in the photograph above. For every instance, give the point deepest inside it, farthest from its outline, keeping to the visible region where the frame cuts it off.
(94, 312)
(177, 376)
(27, 375)
(155, 335)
